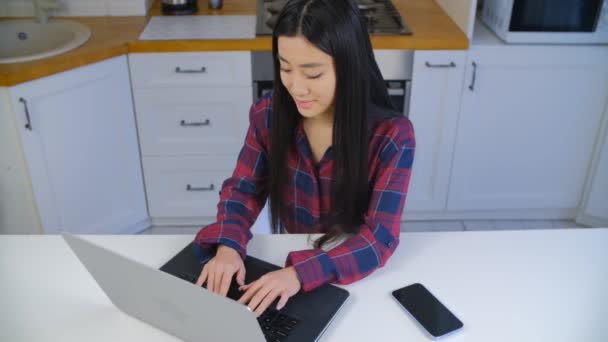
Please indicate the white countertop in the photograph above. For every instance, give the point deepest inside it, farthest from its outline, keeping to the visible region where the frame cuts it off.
(529, 285)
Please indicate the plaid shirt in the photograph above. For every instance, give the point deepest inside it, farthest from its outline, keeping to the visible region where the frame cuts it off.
(391, 154)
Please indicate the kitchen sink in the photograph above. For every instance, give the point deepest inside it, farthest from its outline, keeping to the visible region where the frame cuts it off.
(26, 39)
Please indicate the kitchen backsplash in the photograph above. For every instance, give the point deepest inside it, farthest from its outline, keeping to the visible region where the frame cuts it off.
(25, 8)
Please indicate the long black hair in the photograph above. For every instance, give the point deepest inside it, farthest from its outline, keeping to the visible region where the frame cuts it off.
(337, 28)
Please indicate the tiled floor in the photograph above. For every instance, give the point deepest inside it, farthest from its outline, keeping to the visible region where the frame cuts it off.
(426, 226)
(468, 225)
(172, 230)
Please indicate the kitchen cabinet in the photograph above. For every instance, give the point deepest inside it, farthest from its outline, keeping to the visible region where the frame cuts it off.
(192, 113)
(77, 129)
(528, 124)
(594, 206)
(434, 105)
(18, 214)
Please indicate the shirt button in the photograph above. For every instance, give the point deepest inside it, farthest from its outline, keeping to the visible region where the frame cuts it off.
(390, 244)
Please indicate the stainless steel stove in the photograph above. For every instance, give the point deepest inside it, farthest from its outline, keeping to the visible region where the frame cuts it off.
(381, 16)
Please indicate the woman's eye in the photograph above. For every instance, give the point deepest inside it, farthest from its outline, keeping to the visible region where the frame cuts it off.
(314, 77)
(285, 70)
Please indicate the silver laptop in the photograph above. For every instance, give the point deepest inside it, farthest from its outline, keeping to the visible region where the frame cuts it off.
(164, 301)
(192, 313)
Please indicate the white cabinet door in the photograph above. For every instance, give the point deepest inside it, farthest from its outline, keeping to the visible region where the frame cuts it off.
(529, 120)
(192, 121)
(81, 149)
(594, 206)
(435, 101)
(186, 186)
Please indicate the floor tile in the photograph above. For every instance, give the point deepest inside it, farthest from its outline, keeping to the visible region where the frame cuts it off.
(432, 226)
(508, 225)
(160, 230)
(448, 226)
(417, 226)
(537, 224)
(190, 230)
(478, 225)
(565, 224)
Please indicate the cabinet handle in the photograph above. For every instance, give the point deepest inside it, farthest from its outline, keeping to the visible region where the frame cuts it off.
(472, 85)
(179, 70)
(204, 123)
(451, 65)
(28, 124)
(209, 188)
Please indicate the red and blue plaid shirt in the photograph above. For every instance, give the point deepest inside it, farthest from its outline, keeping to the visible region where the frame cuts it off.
(391, 154)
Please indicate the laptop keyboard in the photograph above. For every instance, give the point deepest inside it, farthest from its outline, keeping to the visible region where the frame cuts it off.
(275, 325)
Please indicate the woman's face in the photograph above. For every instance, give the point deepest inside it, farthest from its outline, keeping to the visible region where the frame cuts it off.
(309, 75)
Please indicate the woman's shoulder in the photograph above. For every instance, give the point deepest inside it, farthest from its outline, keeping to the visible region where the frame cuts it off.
(261, 111)
(395, 128)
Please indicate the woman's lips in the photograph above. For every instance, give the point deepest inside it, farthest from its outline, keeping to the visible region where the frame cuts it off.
(304, 104)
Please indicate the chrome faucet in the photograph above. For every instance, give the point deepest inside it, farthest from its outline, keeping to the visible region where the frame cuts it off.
(41, 8)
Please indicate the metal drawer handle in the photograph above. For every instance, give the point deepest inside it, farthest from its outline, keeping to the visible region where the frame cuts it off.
(204, 123)
(28, 124)
(451, 65)
(190, 71)
(472, 86)
(191, 188)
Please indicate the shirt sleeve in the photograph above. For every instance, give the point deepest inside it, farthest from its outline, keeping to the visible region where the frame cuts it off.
(378, 237)
(242, 195)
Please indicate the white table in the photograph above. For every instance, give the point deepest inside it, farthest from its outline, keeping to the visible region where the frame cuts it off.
(534, 285)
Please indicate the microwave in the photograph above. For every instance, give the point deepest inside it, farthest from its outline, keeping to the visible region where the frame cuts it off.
(548, 21)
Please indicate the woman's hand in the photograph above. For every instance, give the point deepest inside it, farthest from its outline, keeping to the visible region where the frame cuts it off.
(219, 270)
(261, 293)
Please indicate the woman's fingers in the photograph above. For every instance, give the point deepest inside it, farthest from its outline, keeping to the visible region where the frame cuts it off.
(250, 291)
(240, 276)
(259, 296)
(211, 280)
(225, 283)
(202, 277)
(268, 299)
(218, 280)
(282, 301)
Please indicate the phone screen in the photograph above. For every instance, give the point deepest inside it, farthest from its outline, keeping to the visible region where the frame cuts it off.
(427, 310)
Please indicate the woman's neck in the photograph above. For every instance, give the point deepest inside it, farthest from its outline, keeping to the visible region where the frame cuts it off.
(322, 120)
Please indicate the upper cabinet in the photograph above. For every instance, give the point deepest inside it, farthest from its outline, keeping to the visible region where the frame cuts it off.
(435, 100)
(528, 124)
(78, 133)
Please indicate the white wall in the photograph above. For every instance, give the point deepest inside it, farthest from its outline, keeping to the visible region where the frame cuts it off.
(462, 13)
(18, 213)
(25, 8)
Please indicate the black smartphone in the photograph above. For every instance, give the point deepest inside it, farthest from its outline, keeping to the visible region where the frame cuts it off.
(433, 316)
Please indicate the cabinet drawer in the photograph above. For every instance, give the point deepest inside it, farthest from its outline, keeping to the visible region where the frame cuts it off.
(185, 186)
(190, 69)
(192, 121)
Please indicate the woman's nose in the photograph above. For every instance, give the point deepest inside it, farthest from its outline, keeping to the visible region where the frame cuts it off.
(299, 87)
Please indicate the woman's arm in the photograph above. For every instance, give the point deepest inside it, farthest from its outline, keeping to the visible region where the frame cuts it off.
(243, 194)
(361, 254)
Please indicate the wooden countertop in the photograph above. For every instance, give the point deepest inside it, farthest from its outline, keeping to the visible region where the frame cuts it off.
(114, 36)
(110, 37)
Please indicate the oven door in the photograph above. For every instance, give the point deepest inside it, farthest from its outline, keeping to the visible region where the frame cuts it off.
(399, 91)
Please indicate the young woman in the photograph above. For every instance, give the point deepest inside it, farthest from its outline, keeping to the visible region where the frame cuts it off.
(327, 150)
